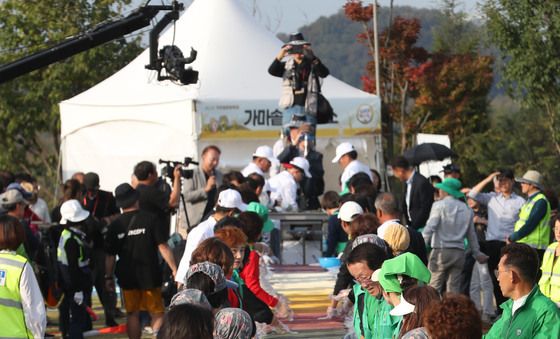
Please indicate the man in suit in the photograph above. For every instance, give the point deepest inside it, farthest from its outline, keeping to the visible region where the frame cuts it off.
(418, 195)
(201, 191)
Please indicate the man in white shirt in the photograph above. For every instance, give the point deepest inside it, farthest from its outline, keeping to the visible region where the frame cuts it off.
(284, 184)
(262, 161)
(346, 156)
(387, 211)
(229, 203)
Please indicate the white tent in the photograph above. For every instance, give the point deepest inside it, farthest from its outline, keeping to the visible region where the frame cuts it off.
(131, 116)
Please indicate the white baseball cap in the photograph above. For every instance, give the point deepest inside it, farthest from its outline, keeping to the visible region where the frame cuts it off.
(349, 211)
(231, 199)
(302, 164)
(341, 150)
(403, 308)
(265, 152)
(72, 211)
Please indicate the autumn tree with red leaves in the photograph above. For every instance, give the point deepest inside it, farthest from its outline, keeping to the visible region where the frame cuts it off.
(444, 92)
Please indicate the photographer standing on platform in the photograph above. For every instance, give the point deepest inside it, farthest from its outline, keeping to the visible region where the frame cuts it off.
(201, 191)
(300, 73)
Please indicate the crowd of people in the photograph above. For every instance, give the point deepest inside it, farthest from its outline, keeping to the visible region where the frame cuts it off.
(406, 264)
(438, 262)
(446, 260)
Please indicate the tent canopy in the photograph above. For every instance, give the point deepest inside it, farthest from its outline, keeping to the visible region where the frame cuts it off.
(131, 116)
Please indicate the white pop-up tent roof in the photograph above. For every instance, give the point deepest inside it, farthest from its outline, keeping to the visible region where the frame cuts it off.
(131, 116)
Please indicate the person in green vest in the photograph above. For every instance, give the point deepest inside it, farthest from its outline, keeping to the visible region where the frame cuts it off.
(528, 313)
(550, 279)
(73, 256)
(395, 277)
(22, 308)
(532, 228)
(371, 311)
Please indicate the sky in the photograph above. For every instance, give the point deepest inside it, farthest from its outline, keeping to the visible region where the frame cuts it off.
(288, 15)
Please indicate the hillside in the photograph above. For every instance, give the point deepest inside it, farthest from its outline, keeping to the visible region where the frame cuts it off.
(333, 39)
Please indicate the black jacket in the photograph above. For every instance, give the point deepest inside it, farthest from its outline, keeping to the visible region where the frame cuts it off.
(417, 245)
(421, 200)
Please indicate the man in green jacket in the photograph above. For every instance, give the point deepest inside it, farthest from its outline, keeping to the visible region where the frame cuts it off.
(528, 313)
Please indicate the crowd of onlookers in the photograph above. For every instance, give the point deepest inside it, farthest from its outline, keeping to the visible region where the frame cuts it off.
(438, 262)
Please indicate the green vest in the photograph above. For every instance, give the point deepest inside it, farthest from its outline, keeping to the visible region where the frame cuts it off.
(550, 279)
(11, 310)
(375, 318)
(540, 237)
(61, 252)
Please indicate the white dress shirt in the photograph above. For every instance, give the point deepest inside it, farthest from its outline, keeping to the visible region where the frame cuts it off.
(32, 301)
(518, 303)
(408, 192)
(203, 231)
(354, 167)
(284, 191)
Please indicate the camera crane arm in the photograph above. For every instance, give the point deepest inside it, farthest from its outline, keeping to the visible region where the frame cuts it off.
(93, 38)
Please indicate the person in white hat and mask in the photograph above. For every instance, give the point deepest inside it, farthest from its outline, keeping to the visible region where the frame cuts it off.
(73, 257)
(532, 227)
(347, 157)
(263, 158)
(284, 185)
(229, 203)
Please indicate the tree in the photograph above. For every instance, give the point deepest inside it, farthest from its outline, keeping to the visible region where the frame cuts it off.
(29, 115)
(528, 36)
(398, 54)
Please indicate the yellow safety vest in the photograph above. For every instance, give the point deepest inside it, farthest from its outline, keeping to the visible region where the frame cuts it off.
(61, 252)
(550, 279)
(11, 309)
(540, 237)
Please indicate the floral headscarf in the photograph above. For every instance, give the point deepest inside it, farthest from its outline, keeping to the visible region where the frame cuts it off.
(190, 296)
(233, 323)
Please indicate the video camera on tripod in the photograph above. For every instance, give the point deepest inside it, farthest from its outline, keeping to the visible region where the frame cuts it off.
(167, 170)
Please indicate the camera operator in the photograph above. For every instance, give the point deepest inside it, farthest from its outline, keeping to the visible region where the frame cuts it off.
(200, 191)
(299, 72)
(155, 194)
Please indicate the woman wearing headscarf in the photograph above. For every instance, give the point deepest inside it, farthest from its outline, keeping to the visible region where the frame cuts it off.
(233, 323)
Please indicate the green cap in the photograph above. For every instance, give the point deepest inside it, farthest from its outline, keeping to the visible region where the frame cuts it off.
(262, 211)
(452, 186)
(405, 264)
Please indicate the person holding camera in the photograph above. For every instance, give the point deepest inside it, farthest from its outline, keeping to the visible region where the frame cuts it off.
(201, 190)
(299, 73)
(155, 194)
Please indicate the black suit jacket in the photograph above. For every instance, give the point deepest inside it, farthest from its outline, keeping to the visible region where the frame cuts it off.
(421, 200)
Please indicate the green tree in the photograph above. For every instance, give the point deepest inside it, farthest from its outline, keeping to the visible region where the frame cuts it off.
(29, 114)
(528, 36)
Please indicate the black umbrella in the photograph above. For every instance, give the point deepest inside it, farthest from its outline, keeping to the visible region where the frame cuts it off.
(426, 152)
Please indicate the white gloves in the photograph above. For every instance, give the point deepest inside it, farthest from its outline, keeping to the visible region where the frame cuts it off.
(283, 309)
(79, 297)
(332, 312)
